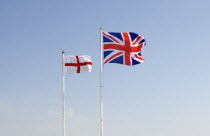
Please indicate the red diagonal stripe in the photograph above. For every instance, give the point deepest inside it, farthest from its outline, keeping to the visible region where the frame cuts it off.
(136, 40)
(138, 57)
(110, 37)
(115, 55)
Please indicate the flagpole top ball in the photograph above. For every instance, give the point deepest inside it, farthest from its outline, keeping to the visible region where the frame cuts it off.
(63, 51)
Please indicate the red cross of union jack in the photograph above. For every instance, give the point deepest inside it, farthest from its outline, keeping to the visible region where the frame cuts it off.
(123, 48)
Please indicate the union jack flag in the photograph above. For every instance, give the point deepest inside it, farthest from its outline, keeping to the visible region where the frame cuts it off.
(123, 48)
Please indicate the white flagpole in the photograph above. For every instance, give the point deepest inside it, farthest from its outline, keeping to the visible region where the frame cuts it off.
(63, 95)
(101, 84)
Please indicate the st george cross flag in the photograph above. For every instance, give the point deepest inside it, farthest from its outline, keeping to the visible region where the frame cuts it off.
(123, 48)
(77, 64)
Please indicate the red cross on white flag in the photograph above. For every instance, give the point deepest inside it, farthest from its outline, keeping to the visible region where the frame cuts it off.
(77, 64)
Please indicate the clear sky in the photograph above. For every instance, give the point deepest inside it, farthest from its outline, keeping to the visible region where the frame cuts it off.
(167, 95)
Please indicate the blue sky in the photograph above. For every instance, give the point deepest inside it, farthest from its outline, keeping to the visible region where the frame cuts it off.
(166, 95)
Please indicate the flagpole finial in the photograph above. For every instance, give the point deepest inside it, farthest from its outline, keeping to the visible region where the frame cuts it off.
(63, 51)
(101, 28)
